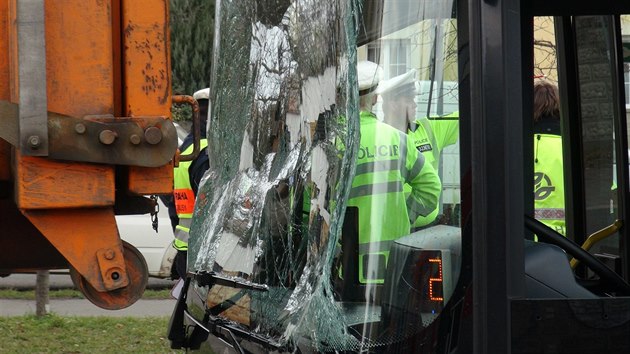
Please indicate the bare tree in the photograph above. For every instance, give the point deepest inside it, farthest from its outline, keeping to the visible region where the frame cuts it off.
(545, 61)
(41, 293)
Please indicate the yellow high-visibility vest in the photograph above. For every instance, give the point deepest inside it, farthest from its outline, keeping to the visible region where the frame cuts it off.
(184, 198)
(549, 181)
(430, 138)
(387, 160)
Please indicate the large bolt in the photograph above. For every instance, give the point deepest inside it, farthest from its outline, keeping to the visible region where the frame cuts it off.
(109, 254)
(79, 128)
(135, 139)
(34, 142)
(153, 135)
(107, 137)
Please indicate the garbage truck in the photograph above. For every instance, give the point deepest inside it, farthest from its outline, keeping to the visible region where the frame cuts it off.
(278, 257)
(86, 133)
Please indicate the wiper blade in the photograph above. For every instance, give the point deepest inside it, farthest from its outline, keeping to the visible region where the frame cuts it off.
(211, 279)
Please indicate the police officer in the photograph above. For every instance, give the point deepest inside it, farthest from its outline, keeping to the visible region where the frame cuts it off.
(186, 179)
(386, 160)
(548, 175)
(429, 136)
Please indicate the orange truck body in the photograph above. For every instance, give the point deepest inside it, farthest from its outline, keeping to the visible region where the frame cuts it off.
(108, 94)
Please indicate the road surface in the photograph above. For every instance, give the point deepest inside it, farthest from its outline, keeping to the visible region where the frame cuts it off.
(80, 307)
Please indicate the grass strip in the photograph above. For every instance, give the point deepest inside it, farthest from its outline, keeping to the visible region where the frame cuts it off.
(75, 335)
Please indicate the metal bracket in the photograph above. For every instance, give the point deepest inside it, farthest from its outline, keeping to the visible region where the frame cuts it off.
(138, 141)
(112, 266)
(33, 128)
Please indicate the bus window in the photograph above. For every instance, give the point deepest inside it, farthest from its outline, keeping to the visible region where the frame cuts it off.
(547, 133)
(545, 53)
(331, 209)
(587, 170)
(419, 65)
(598, 108)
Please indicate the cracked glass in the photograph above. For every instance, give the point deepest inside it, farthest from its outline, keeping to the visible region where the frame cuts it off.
(329, 216)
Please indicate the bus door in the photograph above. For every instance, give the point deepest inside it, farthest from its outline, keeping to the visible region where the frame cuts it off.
(588, 48)
(514, 309)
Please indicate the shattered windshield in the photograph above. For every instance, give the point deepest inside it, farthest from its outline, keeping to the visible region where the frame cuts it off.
(328, 194)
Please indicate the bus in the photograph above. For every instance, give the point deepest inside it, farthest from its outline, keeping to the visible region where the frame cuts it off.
(278, 260)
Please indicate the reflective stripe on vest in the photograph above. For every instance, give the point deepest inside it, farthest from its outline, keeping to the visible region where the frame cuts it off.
(180, 245)
(549, 213)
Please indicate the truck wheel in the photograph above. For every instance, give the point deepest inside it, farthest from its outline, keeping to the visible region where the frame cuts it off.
(138, 273)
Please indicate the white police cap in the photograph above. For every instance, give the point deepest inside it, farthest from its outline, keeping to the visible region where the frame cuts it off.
(369, 74)
(203, 94)
(399, 85)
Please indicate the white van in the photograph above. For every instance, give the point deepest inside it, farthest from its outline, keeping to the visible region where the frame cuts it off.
(154, 246)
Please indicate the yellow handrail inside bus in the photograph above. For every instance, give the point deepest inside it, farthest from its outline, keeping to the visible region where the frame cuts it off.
(598, 236)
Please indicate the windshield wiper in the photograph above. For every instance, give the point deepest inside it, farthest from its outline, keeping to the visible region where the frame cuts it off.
(211, 279)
